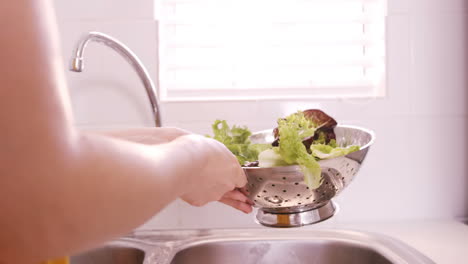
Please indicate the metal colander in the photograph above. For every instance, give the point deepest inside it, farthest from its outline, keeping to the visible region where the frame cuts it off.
(282, 190)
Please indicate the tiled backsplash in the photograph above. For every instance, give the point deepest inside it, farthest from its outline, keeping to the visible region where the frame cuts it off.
(417, 167)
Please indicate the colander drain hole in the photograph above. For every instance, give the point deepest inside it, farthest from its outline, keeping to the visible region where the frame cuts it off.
(274, 200)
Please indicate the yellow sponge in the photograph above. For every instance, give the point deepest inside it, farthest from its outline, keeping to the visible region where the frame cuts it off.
(58, 261)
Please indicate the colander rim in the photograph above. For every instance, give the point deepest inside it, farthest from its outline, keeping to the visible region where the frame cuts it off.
(297, 167)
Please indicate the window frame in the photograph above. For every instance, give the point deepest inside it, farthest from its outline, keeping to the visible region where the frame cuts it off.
(377, 90)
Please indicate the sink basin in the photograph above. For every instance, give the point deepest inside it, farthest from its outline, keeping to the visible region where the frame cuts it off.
(111, 254)
(281, 252)
(253, 246)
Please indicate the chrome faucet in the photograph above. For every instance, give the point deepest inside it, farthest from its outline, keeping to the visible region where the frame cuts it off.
(77, 65)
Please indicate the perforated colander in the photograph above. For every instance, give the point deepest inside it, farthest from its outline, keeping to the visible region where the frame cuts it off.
(282, 190)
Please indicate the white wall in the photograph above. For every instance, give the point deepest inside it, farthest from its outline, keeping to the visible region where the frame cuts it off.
(415, 170)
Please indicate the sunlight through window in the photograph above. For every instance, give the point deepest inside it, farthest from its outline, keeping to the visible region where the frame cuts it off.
(267, 49)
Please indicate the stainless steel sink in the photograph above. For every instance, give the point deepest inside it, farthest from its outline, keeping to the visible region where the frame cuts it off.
(256, 246)
(110, 254)
(281, 252)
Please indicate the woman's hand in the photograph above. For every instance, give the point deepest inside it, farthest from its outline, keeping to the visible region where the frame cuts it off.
(215, 176)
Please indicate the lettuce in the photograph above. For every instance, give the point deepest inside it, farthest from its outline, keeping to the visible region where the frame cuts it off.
(236, 139)
(291, 132)
(297, 146)
(329, 152)
(270, 158)
(302, 138)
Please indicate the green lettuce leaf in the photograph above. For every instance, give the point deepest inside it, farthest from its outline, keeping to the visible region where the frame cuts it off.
(271, 158)
(292, 130)
(329, 152)
(236, 139)
(259, 148)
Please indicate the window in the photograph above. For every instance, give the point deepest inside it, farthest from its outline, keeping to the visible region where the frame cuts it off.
(269, 49)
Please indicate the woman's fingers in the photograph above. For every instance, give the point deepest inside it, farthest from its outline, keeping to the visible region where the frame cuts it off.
(242, 206)
(237, 195)
(238, 200)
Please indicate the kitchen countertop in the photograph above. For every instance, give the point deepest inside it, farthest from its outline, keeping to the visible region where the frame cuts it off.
(444, 241)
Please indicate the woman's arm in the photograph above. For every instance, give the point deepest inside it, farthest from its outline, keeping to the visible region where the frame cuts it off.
(161, 135)
(147, 136)
(61, 190)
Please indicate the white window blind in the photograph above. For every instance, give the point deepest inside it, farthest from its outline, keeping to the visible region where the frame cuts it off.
(263, 49)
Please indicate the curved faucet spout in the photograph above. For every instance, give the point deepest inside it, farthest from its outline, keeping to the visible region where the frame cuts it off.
(77, 65)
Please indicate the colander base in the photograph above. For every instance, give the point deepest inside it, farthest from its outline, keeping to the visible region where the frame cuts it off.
(298, 219)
